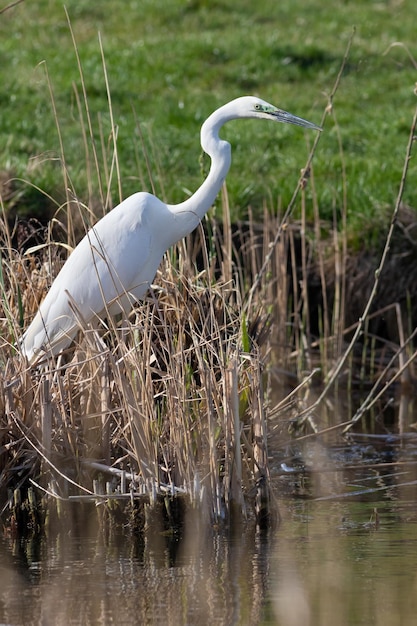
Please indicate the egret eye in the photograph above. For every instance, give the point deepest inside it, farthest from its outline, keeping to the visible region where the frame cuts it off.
(258, 107)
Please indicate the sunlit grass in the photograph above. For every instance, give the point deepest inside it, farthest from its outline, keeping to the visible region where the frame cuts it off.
(170, 64)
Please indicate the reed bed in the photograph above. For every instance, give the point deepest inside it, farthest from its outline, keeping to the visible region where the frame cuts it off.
(173, 407)
(166, 404)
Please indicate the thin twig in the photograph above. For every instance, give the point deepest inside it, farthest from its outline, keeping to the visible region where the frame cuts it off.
(10, 6)
(86, 105)
(336, 371)
(373, 397)
(302, 179)
(115, 158)
(38, 450)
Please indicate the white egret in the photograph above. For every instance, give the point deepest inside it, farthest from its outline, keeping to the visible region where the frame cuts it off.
(116, 261)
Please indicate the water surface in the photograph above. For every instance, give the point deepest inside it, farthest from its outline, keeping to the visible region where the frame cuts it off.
(329, 562)
(344, 553)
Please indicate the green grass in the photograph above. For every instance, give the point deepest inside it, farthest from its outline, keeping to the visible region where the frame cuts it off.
(170, 63)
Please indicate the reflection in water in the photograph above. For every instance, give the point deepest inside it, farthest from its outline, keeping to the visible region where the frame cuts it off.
(326, 564)
(160, 580)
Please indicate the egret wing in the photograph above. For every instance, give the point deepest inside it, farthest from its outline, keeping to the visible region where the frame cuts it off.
(110, 261)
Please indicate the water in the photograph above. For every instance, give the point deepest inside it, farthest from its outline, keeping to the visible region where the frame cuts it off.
(344, 554)
(329, 562)
(333, 565)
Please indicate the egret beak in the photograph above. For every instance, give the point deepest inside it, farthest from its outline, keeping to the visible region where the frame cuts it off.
(289, 118)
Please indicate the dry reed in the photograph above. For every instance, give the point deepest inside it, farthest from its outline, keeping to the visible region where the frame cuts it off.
(174, 403)
(164, 397)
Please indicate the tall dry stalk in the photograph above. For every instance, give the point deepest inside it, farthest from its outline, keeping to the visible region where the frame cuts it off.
(170, 403)
(161, 396)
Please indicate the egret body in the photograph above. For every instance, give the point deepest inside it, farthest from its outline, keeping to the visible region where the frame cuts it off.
(114, 264)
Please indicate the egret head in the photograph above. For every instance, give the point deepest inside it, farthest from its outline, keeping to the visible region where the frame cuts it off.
(250, 106)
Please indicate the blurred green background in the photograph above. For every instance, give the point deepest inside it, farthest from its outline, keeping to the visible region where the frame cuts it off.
(169, 64)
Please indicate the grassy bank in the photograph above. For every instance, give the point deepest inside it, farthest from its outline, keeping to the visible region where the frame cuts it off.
(170, 64)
